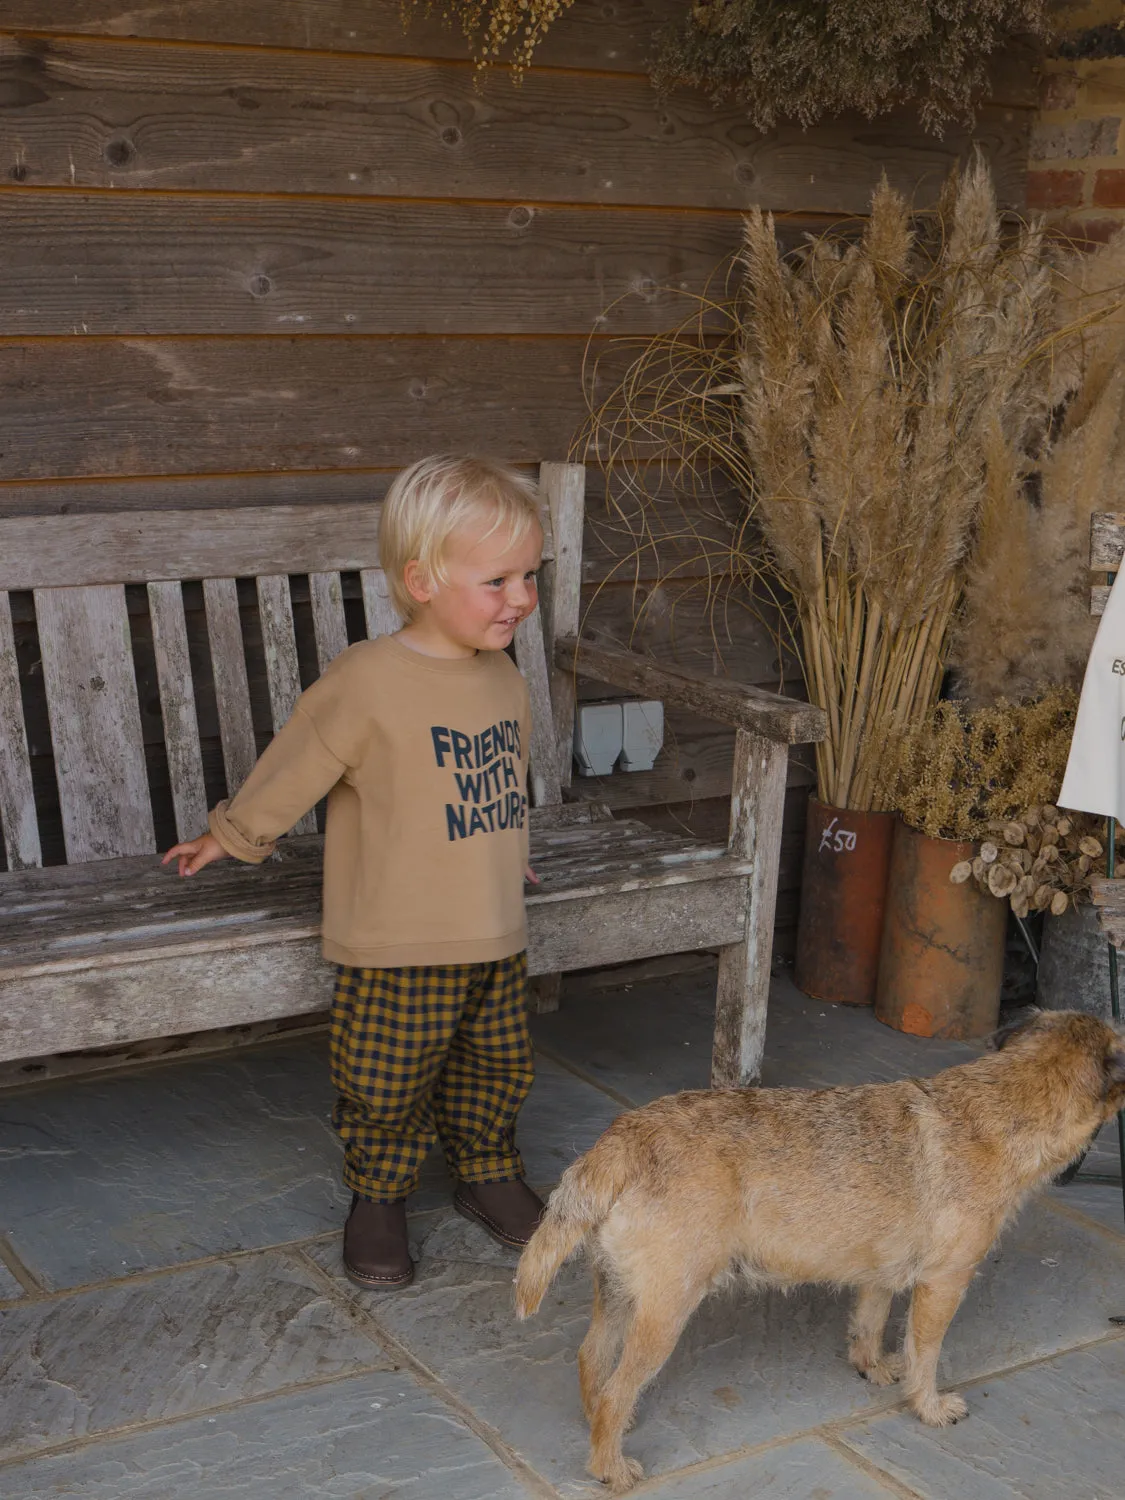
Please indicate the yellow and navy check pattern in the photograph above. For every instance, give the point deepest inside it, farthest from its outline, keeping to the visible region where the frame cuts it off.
(419, 1054)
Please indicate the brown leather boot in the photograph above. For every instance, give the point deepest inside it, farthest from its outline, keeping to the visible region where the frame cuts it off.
(376, 1253)
(508, 1211)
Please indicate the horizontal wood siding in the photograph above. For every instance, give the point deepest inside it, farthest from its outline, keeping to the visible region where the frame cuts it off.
(265, 254)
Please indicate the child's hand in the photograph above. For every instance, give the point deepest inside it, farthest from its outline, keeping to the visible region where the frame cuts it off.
(530, 876)
(196, 853)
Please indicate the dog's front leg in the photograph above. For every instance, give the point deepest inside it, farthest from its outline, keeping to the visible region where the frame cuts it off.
(865, 1336)
(931, 1310)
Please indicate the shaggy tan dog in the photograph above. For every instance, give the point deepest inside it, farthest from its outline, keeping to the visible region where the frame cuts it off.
(884, 1187)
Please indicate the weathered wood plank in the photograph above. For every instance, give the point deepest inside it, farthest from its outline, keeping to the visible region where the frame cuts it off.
(17, 802)
(284, 975)
(717, 698)
(177, 706)
(1099, 598)
(381, 617)
(141, 263)
(1107, 540)
(757, 811)
(107, 114)
(283, 674)
(130, 548)
(590, 34)
(564, 486)
(330, 628)
(95, 722)
(197, 406)
(232, 690)
(543, 771)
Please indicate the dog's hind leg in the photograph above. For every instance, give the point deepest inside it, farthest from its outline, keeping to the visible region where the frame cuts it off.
(865, 1336)
(931, 1311)
(602, 1343)
(652, 1334)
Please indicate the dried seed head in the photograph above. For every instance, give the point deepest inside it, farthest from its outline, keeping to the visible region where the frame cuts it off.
(961, 872)
(1050, 835)
(1001, 880)
(978, 868)
(1090, 846)
(1042, 897)
(1014, 833)
(1020, 905)
(1059, 903)
(989, 852)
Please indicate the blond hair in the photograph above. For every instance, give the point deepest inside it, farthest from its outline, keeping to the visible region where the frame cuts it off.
(433, 498)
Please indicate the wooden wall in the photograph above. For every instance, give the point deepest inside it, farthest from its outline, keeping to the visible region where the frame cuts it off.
(257, 250)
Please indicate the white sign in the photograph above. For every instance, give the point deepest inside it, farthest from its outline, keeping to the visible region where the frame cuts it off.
(1095, 773)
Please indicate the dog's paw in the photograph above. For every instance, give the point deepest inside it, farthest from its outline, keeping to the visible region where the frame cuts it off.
(942, 1411)
(621, 1474)
(885, 1370)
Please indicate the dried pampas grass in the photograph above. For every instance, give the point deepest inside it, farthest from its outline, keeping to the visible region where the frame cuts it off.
(889, 408)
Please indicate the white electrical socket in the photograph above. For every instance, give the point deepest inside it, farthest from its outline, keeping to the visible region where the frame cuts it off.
(599, 733)
(643, 736)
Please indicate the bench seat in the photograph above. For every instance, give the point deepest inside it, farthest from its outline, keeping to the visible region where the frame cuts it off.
(82, 946)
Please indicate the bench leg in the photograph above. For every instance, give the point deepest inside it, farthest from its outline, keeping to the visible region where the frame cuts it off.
(543, 994)
(757, 809)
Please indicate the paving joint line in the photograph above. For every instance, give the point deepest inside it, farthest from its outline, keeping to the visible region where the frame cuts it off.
(1080, 1217)
(869, 1467)
(23, 1274)
(578, 1072)
(430, 1381)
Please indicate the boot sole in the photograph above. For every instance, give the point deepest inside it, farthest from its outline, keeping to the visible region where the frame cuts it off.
(490, 1227)
(379, 1283)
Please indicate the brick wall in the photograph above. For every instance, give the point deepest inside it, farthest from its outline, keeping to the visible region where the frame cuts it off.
(1076, 171)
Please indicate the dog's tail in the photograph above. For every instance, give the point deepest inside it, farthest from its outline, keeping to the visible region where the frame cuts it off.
(586, 1192)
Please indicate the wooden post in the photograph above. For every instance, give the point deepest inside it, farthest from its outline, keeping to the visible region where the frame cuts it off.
(757, 808)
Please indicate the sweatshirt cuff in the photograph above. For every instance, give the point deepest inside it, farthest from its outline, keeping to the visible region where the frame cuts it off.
(235, 842)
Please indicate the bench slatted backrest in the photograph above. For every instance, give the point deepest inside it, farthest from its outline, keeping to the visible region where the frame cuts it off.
(77, 568)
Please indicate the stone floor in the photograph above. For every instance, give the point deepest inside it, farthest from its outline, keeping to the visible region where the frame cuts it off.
(175, 1325)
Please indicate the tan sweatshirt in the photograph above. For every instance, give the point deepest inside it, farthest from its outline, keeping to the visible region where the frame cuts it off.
(424, 761)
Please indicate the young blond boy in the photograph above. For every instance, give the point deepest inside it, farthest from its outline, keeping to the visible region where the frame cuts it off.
(420, 742)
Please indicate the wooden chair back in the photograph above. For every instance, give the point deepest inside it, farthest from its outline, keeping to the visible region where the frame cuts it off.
(77, 570)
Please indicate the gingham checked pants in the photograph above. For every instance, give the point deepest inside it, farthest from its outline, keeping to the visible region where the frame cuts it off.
(419, 1054)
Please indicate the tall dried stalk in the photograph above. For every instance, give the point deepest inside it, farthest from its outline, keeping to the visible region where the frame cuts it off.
(880, 404)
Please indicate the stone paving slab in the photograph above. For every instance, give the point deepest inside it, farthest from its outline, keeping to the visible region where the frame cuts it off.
(375, 1436)
(1052, 1431)
(9, 1286)
(118, 1175)
(150, 1350)
(655, 1038)
(804, 1470)
(115, 1175)
(748, 1369)
(1099, 1202)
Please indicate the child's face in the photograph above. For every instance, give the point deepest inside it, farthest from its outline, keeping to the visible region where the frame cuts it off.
(489, 588)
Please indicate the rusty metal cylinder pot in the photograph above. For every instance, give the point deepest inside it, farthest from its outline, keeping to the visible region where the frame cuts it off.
(843, 886)
(942, 958)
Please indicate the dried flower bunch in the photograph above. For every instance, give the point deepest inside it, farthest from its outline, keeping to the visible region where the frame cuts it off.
(794, 59)
(804, 59)
(498, 30)
(1040, 861)
(960, 773)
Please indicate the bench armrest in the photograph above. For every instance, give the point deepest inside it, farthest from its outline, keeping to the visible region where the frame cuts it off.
(786, 720)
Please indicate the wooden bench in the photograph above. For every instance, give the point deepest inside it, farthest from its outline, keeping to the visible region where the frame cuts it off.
(111, 948)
